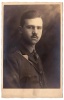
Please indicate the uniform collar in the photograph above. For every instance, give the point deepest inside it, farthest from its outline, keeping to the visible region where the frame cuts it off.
(25, 52)
(29, 56)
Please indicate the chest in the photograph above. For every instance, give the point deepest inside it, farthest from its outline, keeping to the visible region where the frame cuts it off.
(29, 67)
(30, 73)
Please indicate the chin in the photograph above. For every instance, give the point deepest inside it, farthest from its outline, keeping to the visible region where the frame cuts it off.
(34, 42)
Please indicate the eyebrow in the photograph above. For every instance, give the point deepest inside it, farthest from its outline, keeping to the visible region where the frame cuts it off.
(33, 26)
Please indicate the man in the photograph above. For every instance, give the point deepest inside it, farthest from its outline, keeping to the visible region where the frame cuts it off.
(22, 66)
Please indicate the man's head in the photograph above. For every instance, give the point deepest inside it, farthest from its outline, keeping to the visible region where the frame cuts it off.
(31, 25)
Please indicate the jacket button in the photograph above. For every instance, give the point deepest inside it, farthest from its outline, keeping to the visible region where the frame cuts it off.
(40, 72)
(40, 83)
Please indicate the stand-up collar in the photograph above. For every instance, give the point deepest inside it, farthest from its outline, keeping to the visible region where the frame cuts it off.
(25, 51)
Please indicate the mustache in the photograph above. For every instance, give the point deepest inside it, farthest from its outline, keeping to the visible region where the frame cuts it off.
(34, 36)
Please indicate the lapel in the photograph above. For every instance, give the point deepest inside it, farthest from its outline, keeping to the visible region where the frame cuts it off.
(24, 51)
(36, 64)
(31, 58)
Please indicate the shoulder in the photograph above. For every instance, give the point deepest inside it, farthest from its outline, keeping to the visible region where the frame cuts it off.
(16, 55)
(12, 61)
(13, 54)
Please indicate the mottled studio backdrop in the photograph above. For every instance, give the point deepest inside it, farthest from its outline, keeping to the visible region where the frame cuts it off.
(48, 47)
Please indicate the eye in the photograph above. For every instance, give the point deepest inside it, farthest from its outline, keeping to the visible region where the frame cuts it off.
(29, 27)
(39, 27)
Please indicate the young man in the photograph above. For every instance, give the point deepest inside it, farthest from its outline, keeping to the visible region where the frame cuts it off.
(22, 66)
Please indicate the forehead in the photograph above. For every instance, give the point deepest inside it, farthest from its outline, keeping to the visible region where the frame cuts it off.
(34, 21)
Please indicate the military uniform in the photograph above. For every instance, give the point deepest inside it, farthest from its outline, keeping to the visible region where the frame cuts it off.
(23, 69)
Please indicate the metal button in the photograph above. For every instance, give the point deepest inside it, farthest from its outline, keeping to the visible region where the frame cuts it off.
(40, 72)
(40, 83)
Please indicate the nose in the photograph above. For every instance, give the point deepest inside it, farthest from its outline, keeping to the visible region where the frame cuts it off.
(35, 30)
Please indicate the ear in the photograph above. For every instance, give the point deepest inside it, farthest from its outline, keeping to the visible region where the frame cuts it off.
(20, 29)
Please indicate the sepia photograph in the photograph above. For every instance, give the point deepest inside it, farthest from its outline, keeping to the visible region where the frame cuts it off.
(32, 50)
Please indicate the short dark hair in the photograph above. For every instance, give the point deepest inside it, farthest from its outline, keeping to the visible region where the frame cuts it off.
(28, 15)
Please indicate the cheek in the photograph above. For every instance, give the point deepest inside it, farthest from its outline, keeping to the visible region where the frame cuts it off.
(27, 32)
(40, 34)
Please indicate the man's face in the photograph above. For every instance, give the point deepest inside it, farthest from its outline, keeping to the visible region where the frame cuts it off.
(32, 30)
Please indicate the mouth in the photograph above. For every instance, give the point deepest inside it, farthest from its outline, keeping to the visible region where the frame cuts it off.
(34, 37)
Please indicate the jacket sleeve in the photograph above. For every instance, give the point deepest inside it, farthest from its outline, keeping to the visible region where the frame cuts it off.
(11, 73)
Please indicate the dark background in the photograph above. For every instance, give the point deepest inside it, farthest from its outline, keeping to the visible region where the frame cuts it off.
(48, 47)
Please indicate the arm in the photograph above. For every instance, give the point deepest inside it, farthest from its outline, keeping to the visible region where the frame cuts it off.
(11, 73)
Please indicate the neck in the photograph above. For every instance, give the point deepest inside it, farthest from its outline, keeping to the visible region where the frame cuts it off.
(30, 47)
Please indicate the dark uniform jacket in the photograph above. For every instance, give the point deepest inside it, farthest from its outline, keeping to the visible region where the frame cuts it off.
(23, 69)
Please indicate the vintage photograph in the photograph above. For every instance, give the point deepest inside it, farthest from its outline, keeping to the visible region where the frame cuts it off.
(32, 46)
